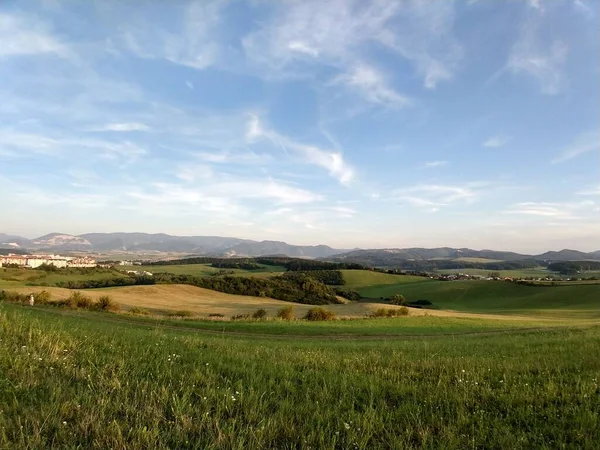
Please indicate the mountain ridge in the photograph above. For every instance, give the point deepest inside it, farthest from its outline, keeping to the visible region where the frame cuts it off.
(237, 247)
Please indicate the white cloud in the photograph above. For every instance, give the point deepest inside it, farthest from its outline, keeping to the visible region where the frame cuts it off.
(189, 84)
(584, 143)
(557, 211)
(496, 141)
(19, 37)
(592, 191)
(432, 164)
(336, 34)
(333, 161)
(125, 126)
(372, 85)
(23, 145)
(194, 44)
(433, 196)
(543, 61)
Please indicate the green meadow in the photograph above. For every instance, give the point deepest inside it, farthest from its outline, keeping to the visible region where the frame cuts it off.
(78, 381)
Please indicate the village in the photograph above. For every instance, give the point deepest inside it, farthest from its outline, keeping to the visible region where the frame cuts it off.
(37, 260)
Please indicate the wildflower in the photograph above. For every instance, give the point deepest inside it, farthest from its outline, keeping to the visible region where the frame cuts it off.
(64, 423)
(346, 425)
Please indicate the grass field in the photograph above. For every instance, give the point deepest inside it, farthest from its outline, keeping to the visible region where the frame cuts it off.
(79, 382)
(12, 277)
(202, 270)
(539, 272)
(356, 279)
(500, 297)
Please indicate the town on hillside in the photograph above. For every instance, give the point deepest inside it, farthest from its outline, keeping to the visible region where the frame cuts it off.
(34, 261)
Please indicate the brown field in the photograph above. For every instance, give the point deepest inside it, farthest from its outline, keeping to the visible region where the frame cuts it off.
(202, 302)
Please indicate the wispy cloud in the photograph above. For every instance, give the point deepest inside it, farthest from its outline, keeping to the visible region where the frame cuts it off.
(558, 211)
(336, 33)
(23, 145)
(543, 61)
(432, 197)
(592, 191)
(124, 126)
(433, 164)
(332, 161)
(373, 86)
(194, 44)
(28, 36)
(584, 143)
(496, 141)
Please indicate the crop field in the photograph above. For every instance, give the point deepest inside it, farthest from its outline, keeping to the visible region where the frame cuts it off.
(88, 382)
(539, 272)
(500, 297)
(201, 270)
(12, 277)
(356, 279)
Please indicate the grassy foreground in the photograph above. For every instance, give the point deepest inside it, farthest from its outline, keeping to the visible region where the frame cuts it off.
(69, 382)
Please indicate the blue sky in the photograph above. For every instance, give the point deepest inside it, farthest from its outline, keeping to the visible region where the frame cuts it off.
(348, 123)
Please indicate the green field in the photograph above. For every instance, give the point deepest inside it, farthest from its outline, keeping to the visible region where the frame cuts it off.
(10, 277)
(356, 279)
(499, 297)
(202, 270)
(70, 382)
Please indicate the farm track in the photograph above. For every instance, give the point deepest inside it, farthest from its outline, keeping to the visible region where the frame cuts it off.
(356, 337)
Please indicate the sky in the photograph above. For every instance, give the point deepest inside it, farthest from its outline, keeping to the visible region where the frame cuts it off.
(371, 124)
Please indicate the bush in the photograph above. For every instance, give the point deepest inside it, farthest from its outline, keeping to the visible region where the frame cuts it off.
(286, 313)
(105, 303)
(139, 311)
(78, 300)
(398, 299)
(43, 297)
(390, 312)
(259, 314)
(216, 315)
(180, 313)
(240, 317)
(319, 314)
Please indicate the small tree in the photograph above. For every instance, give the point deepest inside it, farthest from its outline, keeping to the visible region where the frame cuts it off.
(398, 299)
(315, 314)
(105, 303)
(286, 313)
(260, 314)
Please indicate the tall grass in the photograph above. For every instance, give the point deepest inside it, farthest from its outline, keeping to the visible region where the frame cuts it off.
(67, 382)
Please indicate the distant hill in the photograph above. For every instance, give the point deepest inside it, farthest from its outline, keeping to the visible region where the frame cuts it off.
(271, 248)
(415, 258)
(235, 247)
(10, 241)
(568, 255)
(145, 242)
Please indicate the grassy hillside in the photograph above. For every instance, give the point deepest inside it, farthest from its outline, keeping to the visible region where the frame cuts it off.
(10, 277)
(69, 382)
(500, 297)
(206, 270)
(356, 279)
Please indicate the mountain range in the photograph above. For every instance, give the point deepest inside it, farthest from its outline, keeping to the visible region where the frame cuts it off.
(230, 247)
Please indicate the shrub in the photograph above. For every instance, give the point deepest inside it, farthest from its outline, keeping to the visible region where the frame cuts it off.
(139, 311)
(319, 314)
(180, 313)
(216, 315)
(286, 313)
(398, 299)
(240, 317)
(105, 303)
(389, 312)
(259, 314)
(77, 300)
(43, 297)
